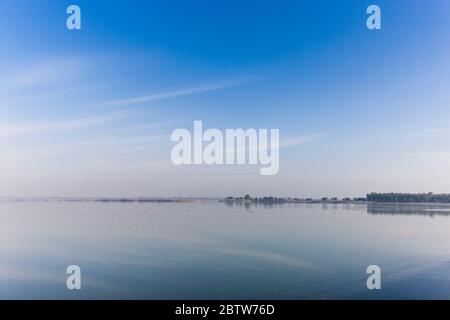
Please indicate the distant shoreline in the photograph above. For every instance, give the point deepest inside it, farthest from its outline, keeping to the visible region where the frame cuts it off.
(101, 199)
(338, 202)
(229, 200)
(382, 198)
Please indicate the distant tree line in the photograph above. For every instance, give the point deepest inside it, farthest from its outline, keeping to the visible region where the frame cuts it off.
(371, 197)
(409, 197)
(272, 200)
(248, 198)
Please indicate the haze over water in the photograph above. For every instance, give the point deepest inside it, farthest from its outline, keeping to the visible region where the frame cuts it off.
(210, 250)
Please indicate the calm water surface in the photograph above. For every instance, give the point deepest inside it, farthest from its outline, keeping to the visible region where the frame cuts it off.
(217, 251)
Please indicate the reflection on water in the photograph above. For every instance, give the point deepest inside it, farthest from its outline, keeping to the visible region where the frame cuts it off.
(408, 209)
(372, 207)
(211, 250)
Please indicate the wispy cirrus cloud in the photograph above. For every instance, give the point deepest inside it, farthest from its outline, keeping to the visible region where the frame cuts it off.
(437, 131)
(19, 129)
(171, 94)
(46, 72)
(295, 141)
(431, 154)
(284, 143)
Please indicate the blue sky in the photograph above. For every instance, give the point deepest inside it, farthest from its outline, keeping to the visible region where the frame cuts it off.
(90, 112)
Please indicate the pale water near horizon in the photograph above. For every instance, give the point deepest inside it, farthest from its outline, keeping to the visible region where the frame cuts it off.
(211, 250)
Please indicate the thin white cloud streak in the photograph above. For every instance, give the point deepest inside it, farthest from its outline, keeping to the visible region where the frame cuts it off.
(295, 141)
(438, 131)
(284, 143)
(431, 154)
(12, 130)
(109, 154)
(46, 72)
(170, 94)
